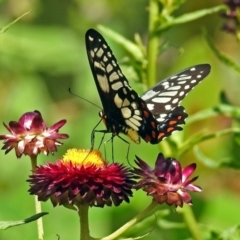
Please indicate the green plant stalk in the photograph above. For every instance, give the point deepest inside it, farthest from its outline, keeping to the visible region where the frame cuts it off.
(152, 46)
(133, 221)
(84, 223)
(190, 221)
(38, 208)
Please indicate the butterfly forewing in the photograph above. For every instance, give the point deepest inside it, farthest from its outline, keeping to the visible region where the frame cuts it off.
(121, 111)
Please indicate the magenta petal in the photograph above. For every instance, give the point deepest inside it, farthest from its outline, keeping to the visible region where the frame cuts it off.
(26, 119)
(187, 171)
(58, 125)
(193, 188)
(16, 128)
(38, 123)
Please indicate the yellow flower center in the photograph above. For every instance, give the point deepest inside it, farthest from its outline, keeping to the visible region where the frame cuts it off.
(84, 157)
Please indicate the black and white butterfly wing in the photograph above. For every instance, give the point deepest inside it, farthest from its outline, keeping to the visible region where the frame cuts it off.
(121, 111)
(168, 93)
(164, 98)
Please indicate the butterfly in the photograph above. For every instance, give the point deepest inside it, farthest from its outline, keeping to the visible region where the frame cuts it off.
(154, 115)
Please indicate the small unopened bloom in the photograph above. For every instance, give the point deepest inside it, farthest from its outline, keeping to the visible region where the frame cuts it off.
(232, 16)
(30, 135)
(82, 177)
(167, 182)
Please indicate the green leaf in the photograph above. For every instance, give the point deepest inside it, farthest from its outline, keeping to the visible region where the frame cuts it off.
(190, 17)
(203, 136)
(128, 45)
(7, 224)
(222, 57)
(4, 29)
(201, 115)
(206, 161)
(228, 110)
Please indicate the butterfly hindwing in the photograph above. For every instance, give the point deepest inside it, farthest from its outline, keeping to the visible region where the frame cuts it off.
(154, 115)
(168, 93)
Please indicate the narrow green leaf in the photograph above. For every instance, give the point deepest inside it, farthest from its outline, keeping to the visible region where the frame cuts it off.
(190, 17)
(4, 29)
(7, 224)
(222, 57)
(128, 45)
(201, 115)
(206, 161)
(202, 136)
(228, 110)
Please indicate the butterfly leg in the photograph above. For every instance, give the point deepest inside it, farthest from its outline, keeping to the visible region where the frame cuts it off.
(93, 135)
(128, 148)
(105, 148)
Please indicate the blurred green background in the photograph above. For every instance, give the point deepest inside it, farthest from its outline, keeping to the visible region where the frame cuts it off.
(43, 55)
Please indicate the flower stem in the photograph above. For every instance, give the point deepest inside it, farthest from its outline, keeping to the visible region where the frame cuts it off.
(133, 221)
(152, 47)
(190, 221)
(38, 207)
(84, 223)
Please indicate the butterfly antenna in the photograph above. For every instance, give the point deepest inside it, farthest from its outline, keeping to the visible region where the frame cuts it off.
(74, 94)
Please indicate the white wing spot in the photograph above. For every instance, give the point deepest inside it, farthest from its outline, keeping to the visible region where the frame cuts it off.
(126, 102)
(175, 100)
(92, 53)
(114, 76)
(150, 106)
(103, 83)
(161, 119)
(105, 59)
(100, 52)
(120, 73)
(193, 81)
(175, 88)
(135, 121)
(118, 101)
(134, 105)
(109, 68)
(168, 107)
(131, 125)
(170, 93)
(126, 112)
(181, 93)
(161, 99)
(193, 69)
(182, 82)
(184, 77)
(186, 87)
(173, 77)
(199, 76)
(137, 112)
(149, 94)
(115, 86)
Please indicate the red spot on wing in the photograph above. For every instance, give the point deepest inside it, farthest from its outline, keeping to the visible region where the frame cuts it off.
(172, 122)
(146, 114)
(161, 135)
(147, 138)
(170, 129)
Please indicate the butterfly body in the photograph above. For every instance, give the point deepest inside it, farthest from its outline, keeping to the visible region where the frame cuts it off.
(154, 115)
